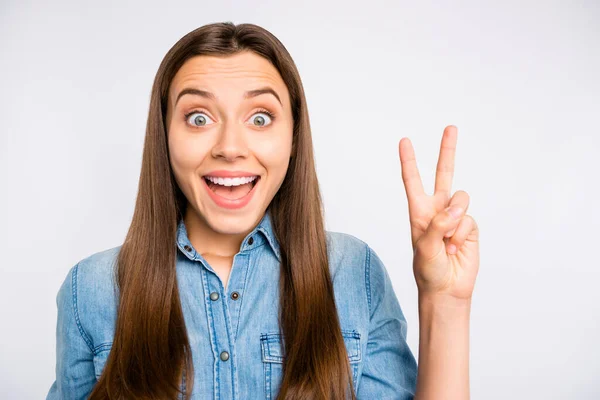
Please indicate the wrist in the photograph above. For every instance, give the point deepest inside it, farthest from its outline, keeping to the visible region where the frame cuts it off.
(443, 347)
(446, 310)
(443, 301)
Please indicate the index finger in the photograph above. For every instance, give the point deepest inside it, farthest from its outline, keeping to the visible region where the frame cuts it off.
(410, 173)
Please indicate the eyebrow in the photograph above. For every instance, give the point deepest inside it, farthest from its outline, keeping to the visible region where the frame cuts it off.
(211, 96)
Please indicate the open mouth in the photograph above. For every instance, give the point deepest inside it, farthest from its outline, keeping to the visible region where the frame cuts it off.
(231, 188)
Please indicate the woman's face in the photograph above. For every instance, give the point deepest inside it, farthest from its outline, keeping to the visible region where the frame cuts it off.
(229, 117)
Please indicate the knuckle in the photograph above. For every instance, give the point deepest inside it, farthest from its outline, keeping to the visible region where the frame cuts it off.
(445, 167)
(444, 220)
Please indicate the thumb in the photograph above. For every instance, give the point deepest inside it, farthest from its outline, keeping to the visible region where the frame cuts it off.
(444, 221)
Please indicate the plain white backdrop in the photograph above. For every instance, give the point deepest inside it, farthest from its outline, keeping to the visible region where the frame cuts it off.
(520, 80)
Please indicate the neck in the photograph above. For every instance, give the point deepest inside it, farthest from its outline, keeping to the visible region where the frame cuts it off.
(206, 240)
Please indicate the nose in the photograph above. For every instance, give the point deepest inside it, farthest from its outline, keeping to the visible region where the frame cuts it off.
(231, 143)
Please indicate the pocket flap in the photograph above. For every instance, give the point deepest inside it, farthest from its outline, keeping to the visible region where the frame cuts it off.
(352, 342)
(272, 346)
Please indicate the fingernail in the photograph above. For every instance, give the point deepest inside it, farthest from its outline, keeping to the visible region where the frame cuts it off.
(455, 211)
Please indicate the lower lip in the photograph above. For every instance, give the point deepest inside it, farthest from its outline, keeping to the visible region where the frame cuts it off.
(227, 203)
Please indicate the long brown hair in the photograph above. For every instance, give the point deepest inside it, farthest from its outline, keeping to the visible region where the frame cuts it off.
(150, 352)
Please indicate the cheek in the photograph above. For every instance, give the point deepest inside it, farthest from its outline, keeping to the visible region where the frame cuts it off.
(186, 156)
(274, 153)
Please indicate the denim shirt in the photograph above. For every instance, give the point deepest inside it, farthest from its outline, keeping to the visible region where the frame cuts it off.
(234, 334)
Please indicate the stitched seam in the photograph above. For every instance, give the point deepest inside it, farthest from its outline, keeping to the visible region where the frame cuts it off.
(228, 329)
(102, 347)
(368, 277)
(213, 334)
(353, 341)
(266, 340)
(258, 247)
(85, 337)
(267, 380)
(243, 297)
(269, 239)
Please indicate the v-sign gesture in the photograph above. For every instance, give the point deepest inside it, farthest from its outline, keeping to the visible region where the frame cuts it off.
(445, 239)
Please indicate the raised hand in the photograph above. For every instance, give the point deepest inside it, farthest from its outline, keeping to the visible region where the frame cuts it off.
(445, 243)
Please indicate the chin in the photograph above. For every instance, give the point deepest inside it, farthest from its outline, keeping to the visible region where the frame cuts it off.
(233, 223)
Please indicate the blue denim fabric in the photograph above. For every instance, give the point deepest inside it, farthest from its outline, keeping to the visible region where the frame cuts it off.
(372, 322)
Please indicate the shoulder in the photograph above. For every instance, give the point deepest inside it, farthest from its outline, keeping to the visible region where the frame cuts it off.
(94, 269)
(347, 253)
(95, 273)
(88, 293)
(341, 244)
(349, 249)
(352, 260)
(351, 267)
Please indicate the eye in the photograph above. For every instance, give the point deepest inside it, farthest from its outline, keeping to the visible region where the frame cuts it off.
(197, 118)
(262, 118)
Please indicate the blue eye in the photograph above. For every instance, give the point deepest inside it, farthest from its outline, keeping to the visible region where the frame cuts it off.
(260, 118)
(197, 118)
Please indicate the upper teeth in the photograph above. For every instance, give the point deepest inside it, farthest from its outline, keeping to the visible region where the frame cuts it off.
(231, 181)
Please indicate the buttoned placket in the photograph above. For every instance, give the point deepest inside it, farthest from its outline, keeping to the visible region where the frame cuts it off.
(223, 313)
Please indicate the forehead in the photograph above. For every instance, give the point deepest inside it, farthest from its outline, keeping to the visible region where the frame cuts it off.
(228, 74)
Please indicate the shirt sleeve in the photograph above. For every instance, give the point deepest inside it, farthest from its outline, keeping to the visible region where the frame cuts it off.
(75, 376)
(390, 368)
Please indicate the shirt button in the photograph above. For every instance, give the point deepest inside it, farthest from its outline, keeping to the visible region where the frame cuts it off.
(235, 295)
(251, 240)
(214, 296)
(224, 356)
(187, 248)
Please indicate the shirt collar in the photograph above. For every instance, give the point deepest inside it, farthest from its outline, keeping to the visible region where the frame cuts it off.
(265, 227)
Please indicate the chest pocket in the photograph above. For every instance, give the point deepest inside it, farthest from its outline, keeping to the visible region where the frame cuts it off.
(100, 357)
(272, 349)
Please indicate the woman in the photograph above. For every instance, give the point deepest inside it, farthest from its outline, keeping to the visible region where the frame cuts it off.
(227, 286)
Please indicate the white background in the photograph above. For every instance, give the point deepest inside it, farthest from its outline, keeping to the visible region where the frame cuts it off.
(519, 79)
